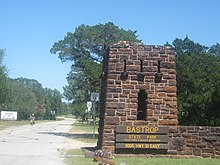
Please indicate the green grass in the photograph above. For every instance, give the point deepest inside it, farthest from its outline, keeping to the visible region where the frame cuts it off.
(6, 124)
(12, 123)
(166, 161)
(74, 152)
(76, 157)
(83, 132)
(83, 127)
(80, 160)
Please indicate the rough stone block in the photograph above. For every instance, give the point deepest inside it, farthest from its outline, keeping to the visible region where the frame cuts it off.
(108, 137)
(131, 106)
(168, 122)
(207, 150)
(107, 131)
(197, 151)
(186, 152)
(168, 65)
(205, 155)
(201, 145)
(170, 89)
(142, 86)
(113, 90)
(153, 118)
(110, 105)
(173, 129)
(108, 143)
(191, 145)
(172, 152)
(112, 120)
(169, 117)
(132, 117)
(177, 144)
(120, 112)
(123, 118)
(110, 112)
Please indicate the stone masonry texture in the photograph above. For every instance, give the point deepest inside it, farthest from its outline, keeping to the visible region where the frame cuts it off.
(130, 68)
(194, 141)
(139, 64)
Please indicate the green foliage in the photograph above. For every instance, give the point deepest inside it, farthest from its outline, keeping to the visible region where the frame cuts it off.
(21, 99)
(215, 49)
(3, 80)
(79, 110)
(53, 102)
(90, 42)
(86, 48)
(27, 96)
(198, 83)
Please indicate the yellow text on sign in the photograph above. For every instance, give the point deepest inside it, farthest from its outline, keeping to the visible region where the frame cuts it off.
(137, 145)
(141, 129)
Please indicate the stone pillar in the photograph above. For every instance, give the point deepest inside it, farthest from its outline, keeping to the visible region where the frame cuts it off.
(131, 69)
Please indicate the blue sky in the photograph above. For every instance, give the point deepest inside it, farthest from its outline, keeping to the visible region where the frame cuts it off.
(29, 28)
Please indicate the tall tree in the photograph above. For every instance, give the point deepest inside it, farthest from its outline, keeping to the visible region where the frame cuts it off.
(90, 42)
(86, 48)
(4, 90)
(198, 83)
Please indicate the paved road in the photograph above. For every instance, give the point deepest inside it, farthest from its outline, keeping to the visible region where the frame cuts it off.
(40, 144)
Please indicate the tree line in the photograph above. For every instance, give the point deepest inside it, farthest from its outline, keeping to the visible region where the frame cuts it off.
(27, 96)
(197, 66)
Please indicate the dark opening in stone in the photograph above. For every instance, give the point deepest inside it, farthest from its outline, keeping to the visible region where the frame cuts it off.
(142, 105)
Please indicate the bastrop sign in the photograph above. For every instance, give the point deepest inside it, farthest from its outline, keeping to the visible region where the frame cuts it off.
(141, 137)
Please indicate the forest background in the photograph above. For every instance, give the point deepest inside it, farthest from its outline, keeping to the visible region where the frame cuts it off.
(198, 77)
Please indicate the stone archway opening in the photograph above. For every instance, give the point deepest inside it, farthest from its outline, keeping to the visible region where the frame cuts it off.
(142, 105)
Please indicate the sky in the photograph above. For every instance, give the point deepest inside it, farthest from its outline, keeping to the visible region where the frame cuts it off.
(29, 28)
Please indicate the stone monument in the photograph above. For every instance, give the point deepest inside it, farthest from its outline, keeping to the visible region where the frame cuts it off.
(138, 93)
(139, 106)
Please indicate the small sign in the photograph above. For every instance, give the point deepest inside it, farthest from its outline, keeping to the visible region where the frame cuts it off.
(89, 104)
(94, 96)
(9, 115)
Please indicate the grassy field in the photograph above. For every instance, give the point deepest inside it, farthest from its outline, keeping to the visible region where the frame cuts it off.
(83, 132)
(11, 123)
(83, 127)
(5, 124)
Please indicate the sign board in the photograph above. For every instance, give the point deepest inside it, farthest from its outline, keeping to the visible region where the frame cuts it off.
(142, 129)
(9, 115)
(142, 137)
(94, 96)
(89, 104)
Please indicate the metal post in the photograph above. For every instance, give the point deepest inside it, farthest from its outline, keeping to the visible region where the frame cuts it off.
(94, 121)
